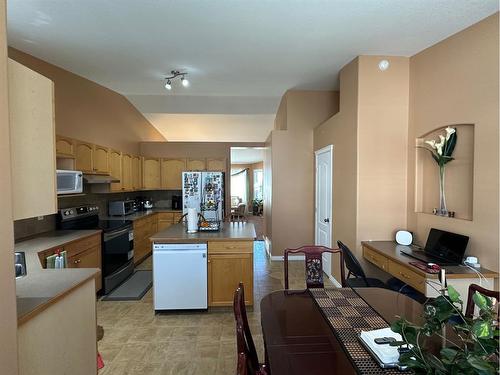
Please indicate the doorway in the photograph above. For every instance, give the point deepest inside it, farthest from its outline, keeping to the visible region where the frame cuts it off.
(323, 204)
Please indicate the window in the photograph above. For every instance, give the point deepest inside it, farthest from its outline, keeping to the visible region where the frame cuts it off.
(258, 184)
(239, 184)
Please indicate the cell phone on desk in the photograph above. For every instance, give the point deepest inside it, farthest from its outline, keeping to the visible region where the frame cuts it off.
(384, 340)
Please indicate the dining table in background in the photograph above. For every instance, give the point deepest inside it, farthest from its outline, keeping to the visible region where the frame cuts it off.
(299, 340)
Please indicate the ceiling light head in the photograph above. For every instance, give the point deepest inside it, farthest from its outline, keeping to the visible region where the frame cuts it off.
(184, 81)
(383, 65)
(175, 74)
(168, 85)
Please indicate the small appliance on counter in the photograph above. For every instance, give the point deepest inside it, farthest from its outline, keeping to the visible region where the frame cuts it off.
(122, 208)
(176, 202)
(143, 203)
(148, 204)
(117, 242)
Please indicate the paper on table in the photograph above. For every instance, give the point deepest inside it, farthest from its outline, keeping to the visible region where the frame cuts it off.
(386, 353)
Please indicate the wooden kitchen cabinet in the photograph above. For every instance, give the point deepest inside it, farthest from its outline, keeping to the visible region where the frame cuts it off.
(127, 172)
(171, 173)
(84, 153)
(32, 142)
(151, 172)
(101, 160)
(65, 147)
(115, 169)
(136, 173)
(229, 263)
(196, 164)
(143, 229)
(164, 220)
(216, 165)
(90, 258)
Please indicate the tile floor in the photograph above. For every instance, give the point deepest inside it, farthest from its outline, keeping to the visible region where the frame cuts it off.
(138, 341)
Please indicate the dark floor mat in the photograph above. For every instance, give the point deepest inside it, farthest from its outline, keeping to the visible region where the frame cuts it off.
(133, 289)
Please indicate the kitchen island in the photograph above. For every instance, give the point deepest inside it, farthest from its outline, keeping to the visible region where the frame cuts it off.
(230, 258)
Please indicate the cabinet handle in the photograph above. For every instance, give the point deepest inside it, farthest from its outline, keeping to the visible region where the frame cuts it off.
(405, 275)
(208, 261)
(77, 261)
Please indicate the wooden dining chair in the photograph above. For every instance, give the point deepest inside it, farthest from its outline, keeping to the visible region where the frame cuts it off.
(473, 288)
(244, 340)
(313, 263)
(241, 367)
(354, 267)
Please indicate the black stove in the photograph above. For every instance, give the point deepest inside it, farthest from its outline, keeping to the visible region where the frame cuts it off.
(117, 241)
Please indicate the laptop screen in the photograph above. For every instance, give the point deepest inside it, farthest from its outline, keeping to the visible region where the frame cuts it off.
(446, 245)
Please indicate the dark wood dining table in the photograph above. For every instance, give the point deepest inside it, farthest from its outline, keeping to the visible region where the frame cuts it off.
(299, 340)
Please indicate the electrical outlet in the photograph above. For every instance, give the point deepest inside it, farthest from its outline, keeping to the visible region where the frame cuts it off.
(40, 218)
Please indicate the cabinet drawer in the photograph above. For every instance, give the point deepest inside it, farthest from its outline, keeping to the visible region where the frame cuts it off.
(82, 245)
(408, 276)
(165, 216)
(230, 247)
(373, 257)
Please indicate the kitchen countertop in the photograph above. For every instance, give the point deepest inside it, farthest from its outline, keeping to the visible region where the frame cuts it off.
(232, 231)
(41, 287)
(140, 214)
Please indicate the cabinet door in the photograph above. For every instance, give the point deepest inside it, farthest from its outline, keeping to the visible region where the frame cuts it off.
(151, 173)
(225, 271)
(90, 258)
(84, 157)
(101, 159)
(115, 168)
(65, 147)
(32, 140)
(136, 173)
(216, 165)
(196, 164)
(126, 172)
(171, 173)
(164, 224)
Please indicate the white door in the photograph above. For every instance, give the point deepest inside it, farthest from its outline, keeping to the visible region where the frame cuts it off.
(323, 219)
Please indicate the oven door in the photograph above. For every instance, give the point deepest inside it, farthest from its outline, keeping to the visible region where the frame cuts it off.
(118, 249)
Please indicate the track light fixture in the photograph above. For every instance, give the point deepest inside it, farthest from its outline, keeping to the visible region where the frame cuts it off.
(176, 74)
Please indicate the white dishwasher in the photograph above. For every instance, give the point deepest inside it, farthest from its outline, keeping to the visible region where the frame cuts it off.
(180, 276)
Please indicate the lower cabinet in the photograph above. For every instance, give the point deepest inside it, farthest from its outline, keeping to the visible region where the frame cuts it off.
(229, 263)
(89, 258)
(143, 229)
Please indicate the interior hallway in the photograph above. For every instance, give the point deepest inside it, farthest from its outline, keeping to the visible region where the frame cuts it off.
(136, 341)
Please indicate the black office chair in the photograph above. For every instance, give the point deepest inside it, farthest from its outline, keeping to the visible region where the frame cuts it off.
(354, 267)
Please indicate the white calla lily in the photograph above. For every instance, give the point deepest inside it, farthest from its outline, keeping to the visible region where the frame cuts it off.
(432, 143)
(449, 132)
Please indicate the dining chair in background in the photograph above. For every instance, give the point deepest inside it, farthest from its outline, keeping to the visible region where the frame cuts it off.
(354, 267)
(473, 288)
(244, 340)
(313, 264)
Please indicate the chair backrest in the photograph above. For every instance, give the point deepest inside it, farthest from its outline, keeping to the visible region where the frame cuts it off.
(313, 264)
(241, 208)
(473, 288)
(244, 340)
(242, 368)
(351, 263)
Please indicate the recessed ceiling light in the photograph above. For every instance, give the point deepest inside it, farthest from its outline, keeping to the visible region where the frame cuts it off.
(383, 65)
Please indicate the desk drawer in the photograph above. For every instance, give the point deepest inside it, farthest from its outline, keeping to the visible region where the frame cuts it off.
(230, 247)
(373, 257)
(408, 276)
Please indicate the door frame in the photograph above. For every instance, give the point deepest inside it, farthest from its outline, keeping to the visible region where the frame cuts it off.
(328, 148)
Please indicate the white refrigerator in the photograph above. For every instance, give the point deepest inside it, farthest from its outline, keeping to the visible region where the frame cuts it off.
(205, 192)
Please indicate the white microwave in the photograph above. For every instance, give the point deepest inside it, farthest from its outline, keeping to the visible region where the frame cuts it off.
(69, 182)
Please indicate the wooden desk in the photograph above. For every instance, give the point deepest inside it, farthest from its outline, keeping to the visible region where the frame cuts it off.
(387, 256)
(299, 340)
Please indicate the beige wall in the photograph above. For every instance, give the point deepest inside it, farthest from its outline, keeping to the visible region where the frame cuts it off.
(341, 132)
(8, 316)
(268, 188)
(456, 82)
(293, 166)
(91, 112)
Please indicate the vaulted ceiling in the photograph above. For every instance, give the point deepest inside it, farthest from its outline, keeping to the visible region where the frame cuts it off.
(241, 55)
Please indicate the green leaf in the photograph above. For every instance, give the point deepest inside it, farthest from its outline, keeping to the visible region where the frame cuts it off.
(449, 146)
(482, 329)
(435, 362)
(481, 365)
(453, 294)
(448, 353)
(481, 301)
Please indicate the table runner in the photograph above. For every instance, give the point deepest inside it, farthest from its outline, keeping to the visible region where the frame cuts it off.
(348, 314)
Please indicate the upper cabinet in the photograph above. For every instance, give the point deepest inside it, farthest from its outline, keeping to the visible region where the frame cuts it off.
(101, 160)
(115, 169)
(171, 173)
(127, 184)
(65, 147)
(151, 172)
(32, 128)
(216, 164)
(136, 173)
(196, 165)
(84, 153)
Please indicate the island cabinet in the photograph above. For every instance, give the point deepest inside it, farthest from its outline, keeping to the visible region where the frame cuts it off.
(229, 263)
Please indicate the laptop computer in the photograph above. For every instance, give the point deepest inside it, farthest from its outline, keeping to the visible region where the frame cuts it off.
(443, 248)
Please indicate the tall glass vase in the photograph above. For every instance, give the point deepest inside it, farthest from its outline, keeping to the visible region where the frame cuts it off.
(443, 211)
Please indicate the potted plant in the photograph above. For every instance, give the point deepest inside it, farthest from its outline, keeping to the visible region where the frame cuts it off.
(474, 350)
(256, 206)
